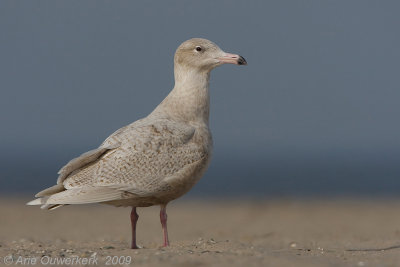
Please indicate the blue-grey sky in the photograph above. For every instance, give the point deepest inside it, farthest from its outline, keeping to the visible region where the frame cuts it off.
(321, 88)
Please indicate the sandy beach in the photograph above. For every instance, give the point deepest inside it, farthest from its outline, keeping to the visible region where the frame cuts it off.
(275, 232)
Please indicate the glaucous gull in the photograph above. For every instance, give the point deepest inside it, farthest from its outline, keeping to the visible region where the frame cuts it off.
(153, 160)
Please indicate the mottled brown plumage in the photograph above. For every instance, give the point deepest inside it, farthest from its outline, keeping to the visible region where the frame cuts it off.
(153, 160)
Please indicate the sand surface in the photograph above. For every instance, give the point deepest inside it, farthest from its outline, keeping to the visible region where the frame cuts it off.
(277, 232)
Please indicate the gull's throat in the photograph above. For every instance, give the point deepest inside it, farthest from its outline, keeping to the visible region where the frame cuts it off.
(189, 100)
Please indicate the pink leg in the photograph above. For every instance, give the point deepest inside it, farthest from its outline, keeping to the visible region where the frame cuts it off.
(134, 219)
(163, 219)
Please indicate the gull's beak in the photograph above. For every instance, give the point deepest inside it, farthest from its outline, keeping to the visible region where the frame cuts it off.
(232, 59)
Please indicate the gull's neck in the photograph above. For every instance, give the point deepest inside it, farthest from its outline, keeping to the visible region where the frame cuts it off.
(189, 101)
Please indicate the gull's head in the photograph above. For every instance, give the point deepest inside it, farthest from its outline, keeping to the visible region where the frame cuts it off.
(204, 55)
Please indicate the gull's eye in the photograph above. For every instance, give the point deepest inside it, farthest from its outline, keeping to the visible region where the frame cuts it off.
(198, 48)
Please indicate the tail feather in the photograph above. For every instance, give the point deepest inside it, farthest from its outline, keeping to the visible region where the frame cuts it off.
(38, 201)
(42, 201)
(82, 195)
(51, 206)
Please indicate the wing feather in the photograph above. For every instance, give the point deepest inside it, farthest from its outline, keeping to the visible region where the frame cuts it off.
(142, 159)
(82, 160)
(147, 156)
(85, 195)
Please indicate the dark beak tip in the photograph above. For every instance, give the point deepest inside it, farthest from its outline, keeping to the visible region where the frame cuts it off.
(242, 61)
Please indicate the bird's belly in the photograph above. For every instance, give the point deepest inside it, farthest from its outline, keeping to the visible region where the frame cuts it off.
(181, 183)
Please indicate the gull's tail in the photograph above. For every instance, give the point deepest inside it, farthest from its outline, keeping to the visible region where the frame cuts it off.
(42, 201)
